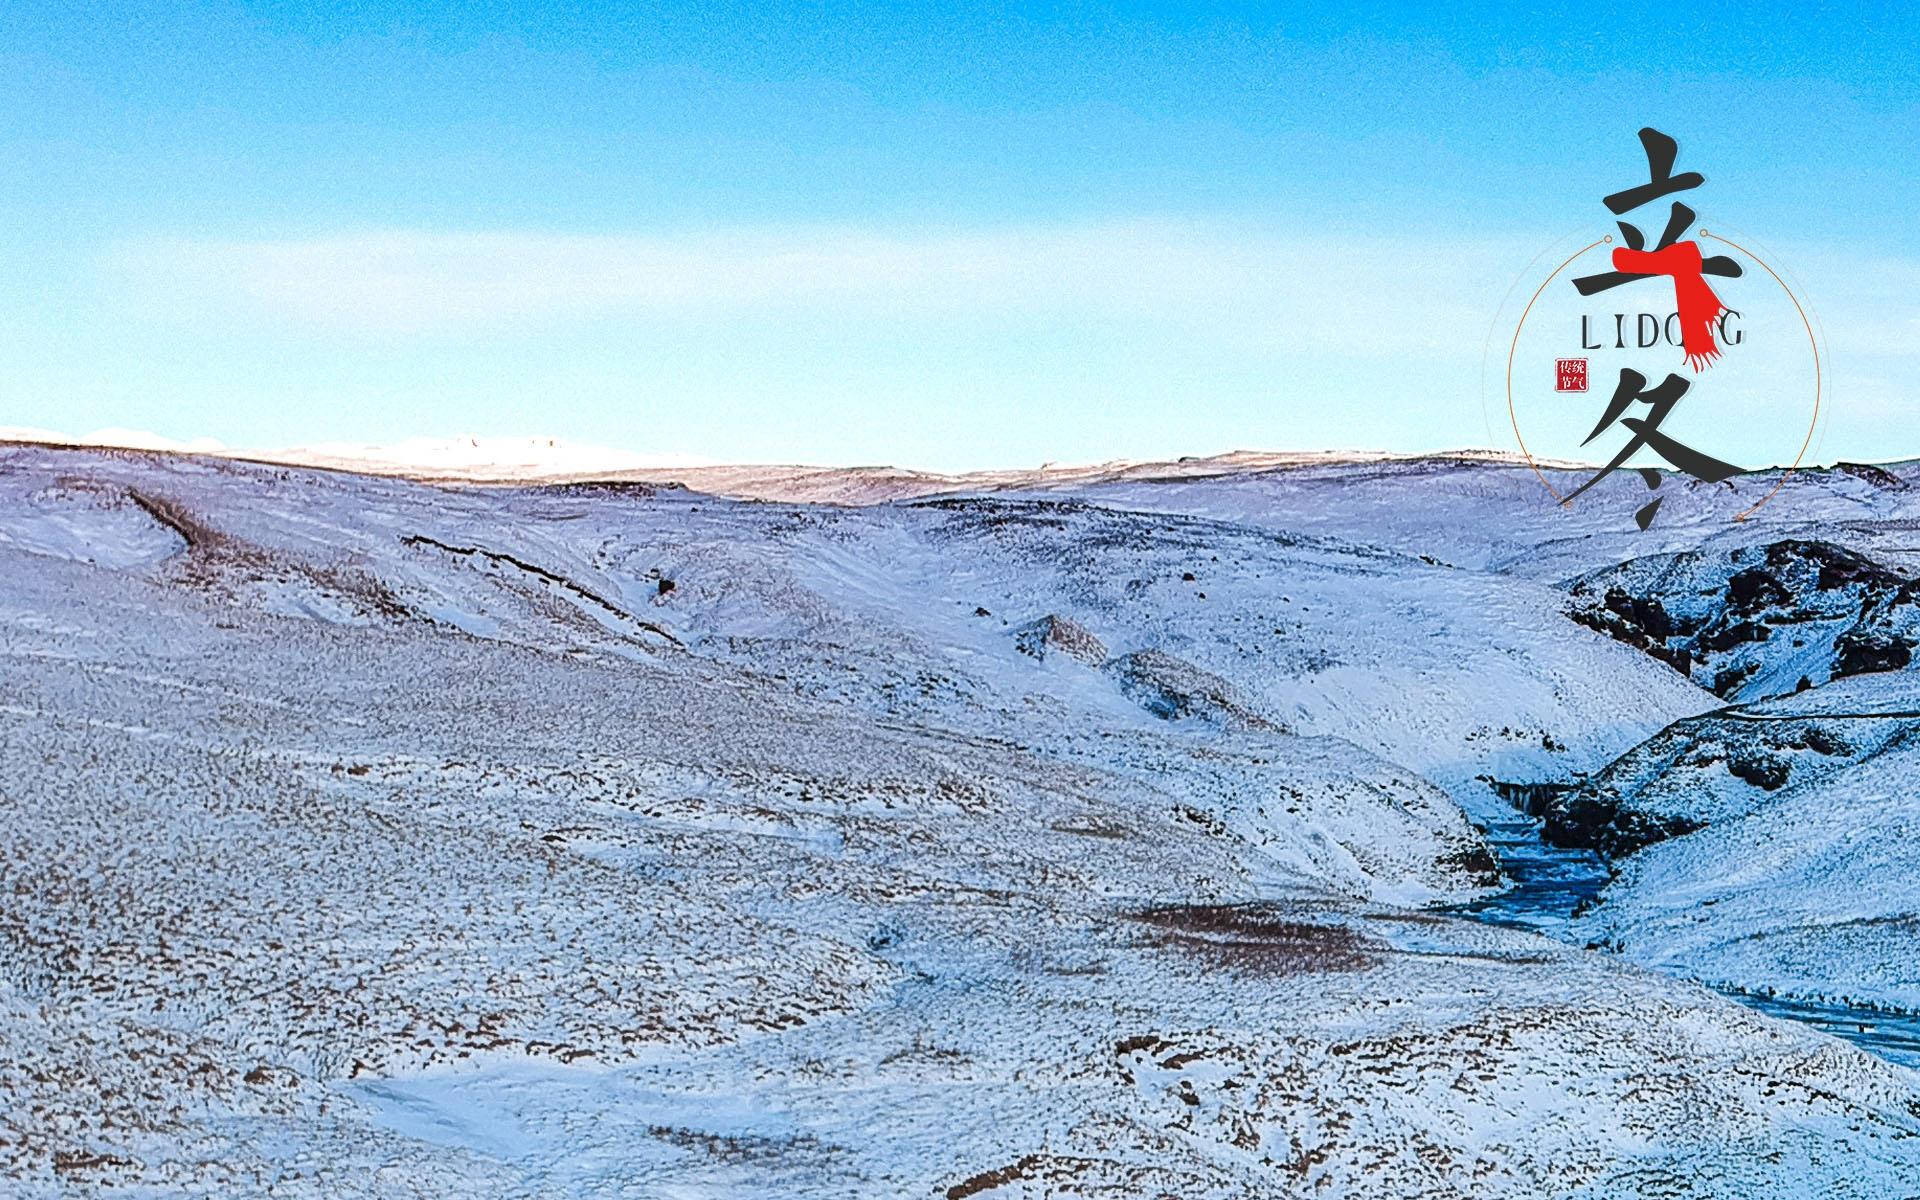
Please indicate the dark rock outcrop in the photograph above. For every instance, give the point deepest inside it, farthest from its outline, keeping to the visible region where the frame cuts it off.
(1747, 623)
(1174, 689)
(1590, 821)
(1718, 766)
(1879, 477)
(1053, 634)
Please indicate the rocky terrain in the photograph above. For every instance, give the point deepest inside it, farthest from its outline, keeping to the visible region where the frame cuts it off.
(1754, 621)
(1094, 832)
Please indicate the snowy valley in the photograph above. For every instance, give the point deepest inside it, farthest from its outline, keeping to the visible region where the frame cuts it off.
(718, 831)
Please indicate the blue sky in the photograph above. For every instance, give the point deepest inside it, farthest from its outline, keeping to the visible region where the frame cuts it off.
(917, 235)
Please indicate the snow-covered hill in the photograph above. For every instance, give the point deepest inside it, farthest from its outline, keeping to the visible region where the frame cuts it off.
(1801, 823)
(371, 836)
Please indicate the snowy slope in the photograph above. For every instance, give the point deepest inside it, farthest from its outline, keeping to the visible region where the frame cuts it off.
(378, 837)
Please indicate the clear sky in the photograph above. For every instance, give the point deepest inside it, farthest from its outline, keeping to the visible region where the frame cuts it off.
(915, 234)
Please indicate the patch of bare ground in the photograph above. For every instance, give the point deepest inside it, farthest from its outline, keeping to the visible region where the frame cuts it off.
(86, 1162)
(1258, 938)
(1046, 1169)
(1476, 862)
(550, 579)
(217, 561)
(1043, 1174)
(606, 487)
(1094, 830)
(736, 1148)
(197, 534)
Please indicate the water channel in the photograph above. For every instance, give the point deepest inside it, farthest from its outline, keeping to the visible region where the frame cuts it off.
(1551, 885)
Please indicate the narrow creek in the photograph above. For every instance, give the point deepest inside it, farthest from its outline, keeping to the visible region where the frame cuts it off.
(1550, 885)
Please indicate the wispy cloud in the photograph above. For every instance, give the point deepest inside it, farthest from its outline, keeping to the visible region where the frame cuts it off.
(1399, 303)
(1363, 295)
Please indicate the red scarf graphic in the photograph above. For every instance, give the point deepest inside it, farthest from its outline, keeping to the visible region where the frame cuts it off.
(1699, 307)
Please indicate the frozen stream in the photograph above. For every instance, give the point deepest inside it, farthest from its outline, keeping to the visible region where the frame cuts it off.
(1550, 884)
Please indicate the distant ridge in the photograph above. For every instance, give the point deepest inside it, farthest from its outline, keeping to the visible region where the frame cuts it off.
(551, 460)
(540, 461)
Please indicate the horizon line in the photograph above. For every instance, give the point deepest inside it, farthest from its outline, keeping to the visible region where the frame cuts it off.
(379, 460)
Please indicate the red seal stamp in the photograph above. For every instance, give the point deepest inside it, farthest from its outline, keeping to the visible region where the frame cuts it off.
(1570, 375)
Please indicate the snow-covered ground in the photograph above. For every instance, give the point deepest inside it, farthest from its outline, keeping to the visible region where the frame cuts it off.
(1056, 832)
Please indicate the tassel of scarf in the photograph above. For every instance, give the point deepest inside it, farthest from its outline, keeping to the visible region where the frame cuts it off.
(1699, 308)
